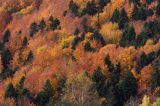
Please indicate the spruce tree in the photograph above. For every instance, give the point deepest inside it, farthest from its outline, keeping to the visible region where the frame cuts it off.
(155, 75)
(10, 91)
(115, 16)
(6, 36)
(158, 9)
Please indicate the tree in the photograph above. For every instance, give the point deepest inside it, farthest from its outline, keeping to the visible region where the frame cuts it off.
(20, 84)
(158, 9)
(10, 91)
(87, 47)
(29, 57)
(98, 75)
(54, 23)
(44, 96)
(24, 42)
(33, 29)
(109, 63)
(76, 31)
(149, 1)
(42, 25)
(128, 86)
(112, 97)
(155, 76)
(123, 18)
(73, 7)
(134, 1)
(6, 57)
(128, 36)
(91, 8)
(6, 36)
(115, 16)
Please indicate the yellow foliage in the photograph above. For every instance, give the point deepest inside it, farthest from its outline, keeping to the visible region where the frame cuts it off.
(111, 33)
(26, 10)
(146, 101)
(66, 42)
(41, 49)
(149, 42)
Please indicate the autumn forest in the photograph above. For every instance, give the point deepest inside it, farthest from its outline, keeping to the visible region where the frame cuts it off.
(79, 52)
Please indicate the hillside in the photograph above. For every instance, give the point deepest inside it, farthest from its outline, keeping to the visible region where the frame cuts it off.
(80, 52)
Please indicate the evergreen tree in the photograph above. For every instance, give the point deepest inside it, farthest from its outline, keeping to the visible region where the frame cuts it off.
(149, 1)
(24, 42)
(109, 63)
(128, 36)
(54, 23)
(29, 57)
(73, 7)
(123, 18)
(10, 91)
(158, 9)
(112, 97)
(155, 75)
(98, 75)
(91, 8)
(33, 29)
(6, 36)
(44, 96)
(115, 16)
(87, 47)
(42, 25)
(6, 57)
(76, 31)
(128, 86)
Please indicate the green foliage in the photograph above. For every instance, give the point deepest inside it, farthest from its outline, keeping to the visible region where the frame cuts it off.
(91, 8)
(98, 37)
(123, 18)
(115, 16)
(6, 72)
(149, 1)
(6, 57)
(158, 10)
(98, 75)
(134, 1)
(76, 31)
(145, 60)
(128, 86)
(155, 76)
(24, 42)
(87, 47)
(42, 25)
(10, 91)
(29, 58)
(44, 96)
(6, 36)
(73, 7)
(61, 84)
(128, 36)
(54, 23)
(103, 3)
(139, 13)
(20, 84)
(109, 63)
(75, 42)
(33, 29)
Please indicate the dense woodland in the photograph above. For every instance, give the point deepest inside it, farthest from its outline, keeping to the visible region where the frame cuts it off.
(79, 53)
